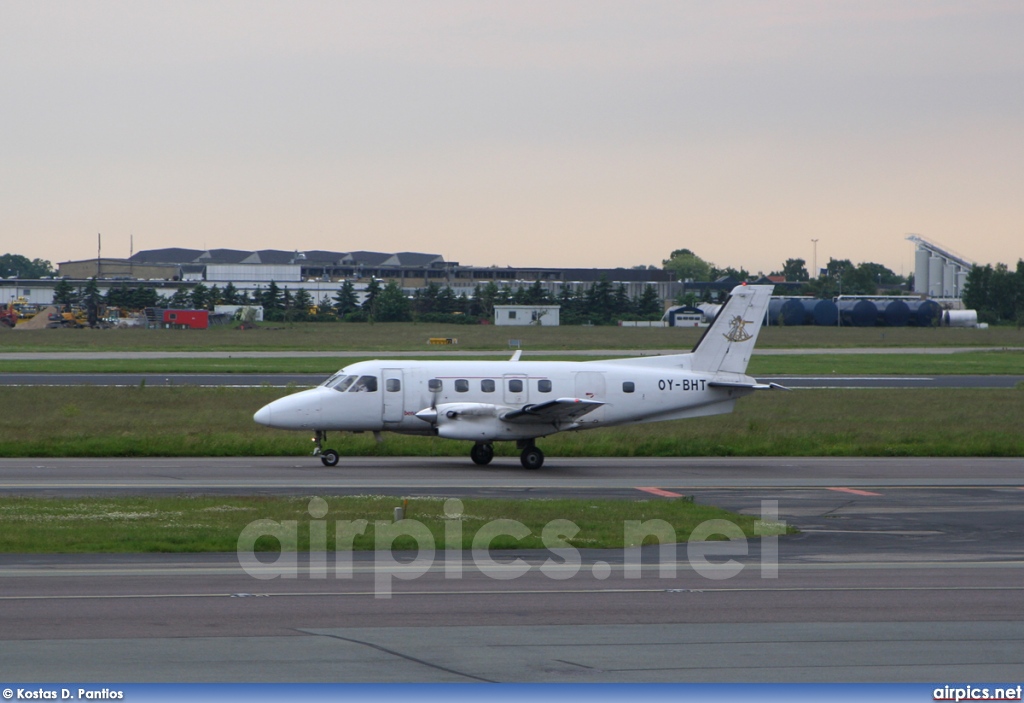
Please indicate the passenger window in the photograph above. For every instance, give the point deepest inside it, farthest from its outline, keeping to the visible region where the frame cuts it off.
(544, 386)
(515, 385)
(461, 386)
(434, 385)
(393, 385)
(365, 384)
(628, 387)
(487, 385)
(341, 382)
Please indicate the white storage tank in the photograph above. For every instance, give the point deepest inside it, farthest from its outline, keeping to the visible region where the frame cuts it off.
(960, 318)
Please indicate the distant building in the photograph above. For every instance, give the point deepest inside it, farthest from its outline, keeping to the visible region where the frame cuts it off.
(522, 315)
(938, 272)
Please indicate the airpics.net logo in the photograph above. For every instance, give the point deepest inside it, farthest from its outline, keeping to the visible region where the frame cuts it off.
(710, 548)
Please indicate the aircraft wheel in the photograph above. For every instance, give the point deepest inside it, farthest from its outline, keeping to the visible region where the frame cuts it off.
(329, 457)
(481, 454)
(532, 458)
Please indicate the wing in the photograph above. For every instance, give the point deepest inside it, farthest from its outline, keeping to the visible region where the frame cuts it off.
(552, 410)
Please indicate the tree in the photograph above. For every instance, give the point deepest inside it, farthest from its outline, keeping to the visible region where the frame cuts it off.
(425, 299)
(230, 294)
(621, 303)
(740, 274)
(303, 301)
(535, 295)
(448, 302)
(648, 304)
(180, 299)
(271, 299)
(199, 297)
(687, 266)
(91, 299)
(488, 297)
(346, 300)
(64, 294)
(599, 301)
(391, 305)
(371, 293)
(996, 293)
(795, 270)
(22, 267)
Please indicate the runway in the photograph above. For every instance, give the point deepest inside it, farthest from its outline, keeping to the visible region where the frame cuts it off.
(243, 380)
(904, 570)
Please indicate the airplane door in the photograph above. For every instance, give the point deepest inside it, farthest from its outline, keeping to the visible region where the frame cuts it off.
(394, 392)
(590, 386)
(516, 389)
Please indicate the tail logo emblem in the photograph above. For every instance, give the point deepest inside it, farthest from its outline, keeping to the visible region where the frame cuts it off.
(736, 331)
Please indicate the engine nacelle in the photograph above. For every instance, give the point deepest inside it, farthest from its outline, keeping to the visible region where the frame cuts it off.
(477, 422)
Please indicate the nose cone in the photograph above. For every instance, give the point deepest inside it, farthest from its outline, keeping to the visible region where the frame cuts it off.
(428, 415)
(262, 415)
(299, 411)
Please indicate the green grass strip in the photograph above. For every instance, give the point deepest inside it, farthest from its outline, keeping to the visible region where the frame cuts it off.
(215, 524)
(399, 336)
(983, 363)
(190, 421)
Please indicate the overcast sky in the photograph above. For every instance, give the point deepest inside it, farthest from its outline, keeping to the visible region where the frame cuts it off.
(515, 133)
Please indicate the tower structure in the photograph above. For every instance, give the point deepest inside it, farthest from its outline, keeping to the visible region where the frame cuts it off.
(938, 272)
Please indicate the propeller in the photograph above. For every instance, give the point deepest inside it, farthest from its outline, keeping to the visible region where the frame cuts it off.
(429, 415)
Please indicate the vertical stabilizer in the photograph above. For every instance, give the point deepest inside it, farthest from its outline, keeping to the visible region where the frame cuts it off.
(729, 342)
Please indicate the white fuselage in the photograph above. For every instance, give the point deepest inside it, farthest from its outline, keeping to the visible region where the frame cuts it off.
(467, 399)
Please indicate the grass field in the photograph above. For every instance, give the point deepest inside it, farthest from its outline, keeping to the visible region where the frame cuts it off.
(987, 362)
(214, 523)
(189, 421)
(413, 337)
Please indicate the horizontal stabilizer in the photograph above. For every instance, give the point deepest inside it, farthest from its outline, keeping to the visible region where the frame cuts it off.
(751, 386)
(559, 409)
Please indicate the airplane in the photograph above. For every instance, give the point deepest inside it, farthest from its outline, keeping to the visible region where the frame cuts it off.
(495, 401)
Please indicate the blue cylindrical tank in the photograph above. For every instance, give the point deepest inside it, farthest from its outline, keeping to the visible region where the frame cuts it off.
(893, 313)
(858, 313)
(925, 313)
(823, 313)
(787, 312)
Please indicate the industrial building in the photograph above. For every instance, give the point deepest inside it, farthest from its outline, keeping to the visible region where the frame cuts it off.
(319, 272)
(938, 272)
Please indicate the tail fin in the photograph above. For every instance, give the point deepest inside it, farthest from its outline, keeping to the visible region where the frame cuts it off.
(728, 343)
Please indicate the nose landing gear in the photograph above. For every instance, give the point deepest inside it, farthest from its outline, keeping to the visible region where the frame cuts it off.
(328, 457)
(482, 453)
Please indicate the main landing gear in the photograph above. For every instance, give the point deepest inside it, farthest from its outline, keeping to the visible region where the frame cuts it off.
(531, 457)
(328, 457)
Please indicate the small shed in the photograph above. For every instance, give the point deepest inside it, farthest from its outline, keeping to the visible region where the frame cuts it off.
(521, 315)
(685, 316)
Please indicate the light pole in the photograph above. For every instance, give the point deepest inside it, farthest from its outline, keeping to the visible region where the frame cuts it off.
(815, 265)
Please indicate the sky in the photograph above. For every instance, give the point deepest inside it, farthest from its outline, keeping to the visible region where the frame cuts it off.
(520, 133)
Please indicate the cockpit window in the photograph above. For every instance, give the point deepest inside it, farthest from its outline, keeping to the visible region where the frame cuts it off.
(365, 384)
(340, 381)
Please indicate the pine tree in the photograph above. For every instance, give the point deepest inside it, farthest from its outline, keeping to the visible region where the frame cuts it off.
(648, 304)
(64, 294)
(370, 299)
(230, 294)
(346, 300)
